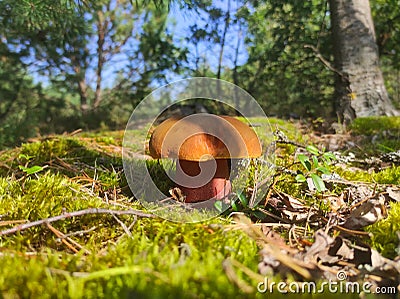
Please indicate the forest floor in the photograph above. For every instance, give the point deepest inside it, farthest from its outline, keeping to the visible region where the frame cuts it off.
(329, 222)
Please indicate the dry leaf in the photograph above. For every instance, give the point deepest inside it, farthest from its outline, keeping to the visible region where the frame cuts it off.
(367, 213)
(393, 193)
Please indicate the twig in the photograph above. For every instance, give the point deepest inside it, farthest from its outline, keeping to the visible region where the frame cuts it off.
(267, 213)
(61, 236)
(73, 214)
(232, 276)
(9, 222)
(74, 132)
(292, 236)
(80, 232)
(281, 141)
(351, 231)
(125, 228)
(249, 272)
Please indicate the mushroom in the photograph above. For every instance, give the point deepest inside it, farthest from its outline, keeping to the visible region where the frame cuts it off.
(203, 145)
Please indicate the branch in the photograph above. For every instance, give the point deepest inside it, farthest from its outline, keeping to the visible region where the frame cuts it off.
(25, 226)
(323, 60)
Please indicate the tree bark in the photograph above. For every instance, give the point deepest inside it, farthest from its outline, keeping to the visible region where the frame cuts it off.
(82, 87)
(360, 90)
(235, 75)
(102, 24)
(223, 39)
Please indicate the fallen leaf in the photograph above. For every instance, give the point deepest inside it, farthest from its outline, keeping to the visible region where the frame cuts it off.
(367, 213)
(393, 193)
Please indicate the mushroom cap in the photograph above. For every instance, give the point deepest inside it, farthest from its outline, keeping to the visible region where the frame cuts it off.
(201, 137)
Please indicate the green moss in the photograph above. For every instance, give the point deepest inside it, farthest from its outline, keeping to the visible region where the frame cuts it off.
(376, 125)
(385, 233)
(382, 133)
(33, 199)
(160, 260)
(390, 175)
(68, 156)
(286, 183)
(58, 148)
(157, 259)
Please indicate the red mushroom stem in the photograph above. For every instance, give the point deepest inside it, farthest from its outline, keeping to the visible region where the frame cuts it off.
(217, 188)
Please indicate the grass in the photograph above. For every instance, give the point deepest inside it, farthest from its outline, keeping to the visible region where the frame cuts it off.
(106, 256)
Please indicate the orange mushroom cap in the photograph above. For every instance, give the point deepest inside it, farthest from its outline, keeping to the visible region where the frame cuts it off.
(201, 137)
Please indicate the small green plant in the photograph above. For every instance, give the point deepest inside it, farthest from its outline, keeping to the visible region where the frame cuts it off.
(237, 203)
(32, 169)
(316, 163)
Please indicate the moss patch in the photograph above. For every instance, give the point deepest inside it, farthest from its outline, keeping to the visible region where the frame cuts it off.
(382, 133)
(375, 125)
(390, 175)
(109, 256)
(385, 236)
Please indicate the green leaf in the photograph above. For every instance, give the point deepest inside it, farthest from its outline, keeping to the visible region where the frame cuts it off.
(305, 161)
(234, 206)
(23, 156)
(260, 215)
(300, 178)
(218, 206)
(324, 170)
(31, 170)
(329, 156)
(315, 161)
(243, 199)
(318, 182)
(312, 150)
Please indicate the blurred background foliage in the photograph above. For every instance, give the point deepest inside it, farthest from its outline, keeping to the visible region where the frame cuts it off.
(71, 64)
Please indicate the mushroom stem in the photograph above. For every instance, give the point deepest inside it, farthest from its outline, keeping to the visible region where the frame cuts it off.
(217, 188)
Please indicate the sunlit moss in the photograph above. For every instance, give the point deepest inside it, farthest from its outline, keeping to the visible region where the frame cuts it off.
(382, 132)
(390, 175)
(159, 259)
(154, 259)
(376, 125)
(385, 236)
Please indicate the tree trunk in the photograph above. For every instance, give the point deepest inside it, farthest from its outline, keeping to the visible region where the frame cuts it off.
(223, 39)
(82, 88)
(102, 24)
(360, 89)
(235, 75)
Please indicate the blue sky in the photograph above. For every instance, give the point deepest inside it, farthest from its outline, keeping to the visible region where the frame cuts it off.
(181, 30)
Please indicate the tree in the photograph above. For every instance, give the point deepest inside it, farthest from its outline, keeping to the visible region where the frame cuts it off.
(386, 17)
(110, 37)
(282, 72)
(216, 38)
(360, 89)
(97, 59)
(21, 99)
(18, 100)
